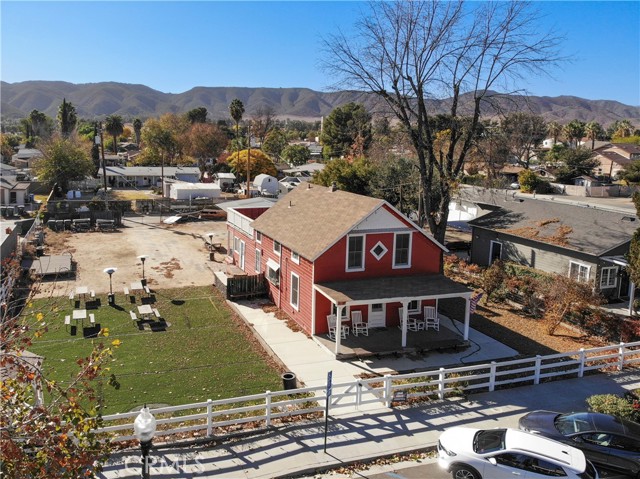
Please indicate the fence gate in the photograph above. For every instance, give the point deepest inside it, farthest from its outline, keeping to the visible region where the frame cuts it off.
(246, 286)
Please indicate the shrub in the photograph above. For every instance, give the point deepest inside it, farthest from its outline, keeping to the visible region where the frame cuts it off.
(528, 181)
(615, 406)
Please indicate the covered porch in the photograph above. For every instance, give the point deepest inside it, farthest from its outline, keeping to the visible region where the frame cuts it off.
(394, 296)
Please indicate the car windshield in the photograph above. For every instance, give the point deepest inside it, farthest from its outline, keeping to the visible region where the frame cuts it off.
(568, 424)
(489, 441)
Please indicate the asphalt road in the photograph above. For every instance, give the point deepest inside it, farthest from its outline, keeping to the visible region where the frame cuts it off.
(429, 469)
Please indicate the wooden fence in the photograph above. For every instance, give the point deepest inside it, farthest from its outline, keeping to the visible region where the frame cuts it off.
(246, 286)
(263, 409)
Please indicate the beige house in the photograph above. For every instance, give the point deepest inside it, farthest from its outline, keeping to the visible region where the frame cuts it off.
(614, 157)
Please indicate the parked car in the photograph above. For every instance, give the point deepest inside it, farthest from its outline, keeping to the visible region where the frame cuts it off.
(505, 453)
(213, 214)
(606, 440)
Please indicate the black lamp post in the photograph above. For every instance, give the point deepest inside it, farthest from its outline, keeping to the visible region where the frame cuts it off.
(143, 259)
(110, 272)
(144, 427)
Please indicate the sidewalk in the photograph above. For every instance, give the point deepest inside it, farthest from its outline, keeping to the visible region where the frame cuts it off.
(355, 436)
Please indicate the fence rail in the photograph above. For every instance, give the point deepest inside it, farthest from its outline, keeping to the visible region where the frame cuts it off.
(436, 384)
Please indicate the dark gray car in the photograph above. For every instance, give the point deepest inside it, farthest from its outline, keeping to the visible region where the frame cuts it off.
(605, 440)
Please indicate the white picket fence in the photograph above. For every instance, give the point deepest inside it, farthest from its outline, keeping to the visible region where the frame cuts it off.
(264, 409)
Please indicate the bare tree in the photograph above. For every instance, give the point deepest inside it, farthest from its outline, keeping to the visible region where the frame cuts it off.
(262, 122)
(411, 53)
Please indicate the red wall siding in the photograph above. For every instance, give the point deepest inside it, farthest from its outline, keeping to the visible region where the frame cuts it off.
(252, 213)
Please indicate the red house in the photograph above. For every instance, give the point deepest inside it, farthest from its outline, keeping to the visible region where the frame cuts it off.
(325, 251)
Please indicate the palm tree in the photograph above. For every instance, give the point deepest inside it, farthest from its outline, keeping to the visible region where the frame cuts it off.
(114, 126)
(574, 131)
(624, 129)
(67, 117)
(236, 110)
(137, 128)
(554, 129)
(593, 129)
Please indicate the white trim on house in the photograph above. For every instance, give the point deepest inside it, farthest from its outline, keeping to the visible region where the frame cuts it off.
(295, 257)
(395, 251)
(610, 278)
(295, 289)
(383, 251)
(491, 258)
(362, 254)
(579, 275)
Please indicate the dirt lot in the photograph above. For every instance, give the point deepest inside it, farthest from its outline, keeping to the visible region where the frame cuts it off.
(177, 255)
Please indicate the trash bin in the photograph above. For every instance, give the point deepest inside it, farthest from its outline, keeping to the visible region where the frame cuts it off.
(112, 298)
(289, 381)
(212, 256)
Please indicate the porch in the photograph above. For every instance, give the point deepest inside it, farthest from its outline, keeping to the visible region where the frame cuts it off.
(387, 341)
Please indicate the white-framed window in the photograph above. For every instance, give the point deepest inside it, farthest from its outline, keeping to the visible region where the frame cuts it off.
(273, 272)
(258, 237)
(608, 277)
(258, 263)
(414, 306)
(236, 244)
(495, 251)
(355, 253)
(402, 250)
(295, 291)
(579, 272)
(295, 257)
(379, 250)
(277, 247)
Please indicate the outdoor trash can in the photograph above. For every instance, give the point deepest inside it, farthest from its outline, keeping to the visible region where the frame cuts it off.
(289, 381)
(112, 298)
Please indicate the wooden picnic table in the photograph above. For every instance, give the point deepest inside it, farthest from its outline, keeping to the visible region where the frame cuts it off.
(79, 314)
(145, 310)
(136, 286)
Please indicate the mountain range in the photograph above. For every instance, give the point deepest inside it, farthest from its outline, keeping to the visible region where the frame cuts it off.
(97, 100)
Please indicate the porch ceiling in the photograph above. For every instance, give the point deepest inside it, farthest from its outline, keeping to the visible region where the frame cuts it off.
(392, 289)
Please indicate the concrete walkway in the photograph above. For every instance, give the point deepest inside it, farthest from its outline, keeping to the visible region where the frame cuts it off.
(353, 436)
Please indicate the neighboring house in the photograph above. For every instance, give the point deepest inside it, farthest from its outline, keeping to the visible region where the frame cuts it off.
(308, 169)
(266, 185)
(148, 176)
(585, 243)
(586, 180)
(325, 251)
(225, 181)
(614, 157)
(13, 192)
(26, 157)
(183, 190)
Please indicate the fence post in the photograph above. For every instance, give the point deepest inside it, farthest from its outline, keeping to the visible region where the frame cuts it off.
(209, 417)
(358, 393)
(581, 366)
(492, 376)
(621, 357)
(387, 390)
(441, 377)
(267, 413)
(536, 372)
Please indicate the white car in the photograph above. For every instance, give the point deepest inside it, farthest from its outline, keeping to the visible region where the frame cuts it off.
(506, 453)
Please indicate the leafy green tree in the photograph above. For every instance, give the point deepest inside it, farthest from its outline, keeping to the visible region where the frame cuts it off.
(7, 144)
(63, 160)
(197, 115)
(574, 131)
(408, 53)
(206, 141)
(576, 162)
(41, 126)
(259, 163)
(631, 172)
(346, 132)
(67, 118)
(593, 130)
(348, 176)
(114, 125)
(528, 181)
(137, 130)
(274, 143)
(633, 256)
(523, 132)
(395, 181)
(296, 155)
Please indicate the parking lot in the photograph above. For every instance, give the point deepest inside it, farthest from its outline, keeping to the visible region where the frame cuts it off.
(177, 255)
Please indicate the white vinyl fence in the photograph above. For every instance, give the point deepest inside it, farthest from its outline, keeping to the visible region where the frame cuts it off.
(264, 409)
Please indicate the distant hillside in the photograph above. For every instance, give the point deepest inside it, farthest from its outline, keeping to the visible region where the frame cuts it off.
(95, 100)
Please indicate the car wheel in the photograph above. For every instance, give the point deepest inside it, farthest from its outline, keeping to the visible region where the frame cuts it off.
(462, 471)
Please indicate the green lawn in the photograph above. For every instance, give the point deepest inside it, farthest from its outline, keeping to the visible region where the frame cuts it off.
(204, 353)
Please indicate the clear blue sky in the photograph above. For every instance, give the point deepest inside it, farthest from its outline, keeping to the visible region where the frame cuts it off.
(175, 46)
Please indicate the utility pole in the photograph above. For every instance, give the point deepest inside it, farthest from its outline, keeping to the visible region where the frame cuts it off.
(104, 167)
(248, 161)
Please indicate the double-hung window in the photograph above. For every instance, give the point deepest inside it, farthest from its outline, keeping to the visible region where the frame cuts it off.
(579, 272)
(295, 291)
(258, 265)
(355, 253)
(402, 250)
(277, 247)
(295, 257)
(608, 277)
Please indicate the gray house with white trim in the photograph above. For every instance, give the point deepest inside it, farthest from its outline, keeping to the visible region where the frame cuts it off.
(587, 243)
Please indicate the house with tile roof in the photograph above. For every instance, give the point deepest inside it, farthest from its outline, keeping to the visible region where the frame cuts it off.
(324, 251)
(614, 157)
(587, 243)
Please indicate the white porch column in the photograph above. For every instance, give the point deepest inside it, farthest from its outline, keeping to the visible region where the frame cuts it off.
(405, 319)
(467, 310)
(338, 327)
(632, 297)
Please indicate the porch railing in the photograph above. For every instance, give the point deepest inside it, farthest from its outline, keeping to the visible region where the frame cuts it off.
(263, 409)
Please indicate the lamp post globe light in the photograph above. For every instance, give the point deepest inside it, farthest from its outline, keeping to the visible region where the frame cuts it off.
(144, 427)
(143, 258)
(110, 272)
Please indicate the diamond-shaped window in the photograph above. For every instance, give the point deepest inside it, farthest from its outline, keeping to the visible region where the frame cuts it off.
(379, 250)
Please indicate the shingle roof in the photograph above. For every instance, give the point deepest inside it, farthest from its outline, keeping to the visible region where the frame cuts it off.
(581, 228)
(311, 218)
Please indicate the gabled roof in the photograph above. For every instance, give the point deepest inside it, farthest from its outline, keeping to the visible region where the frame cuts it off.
(581, 228)
(312, 218)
